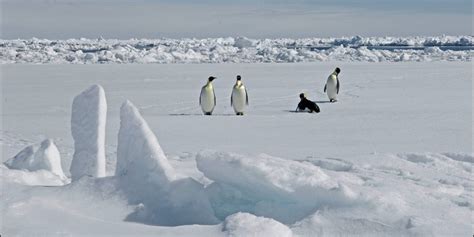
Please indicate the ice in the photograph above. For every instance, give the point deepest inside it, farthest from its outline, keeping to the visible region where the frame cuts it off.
(284, 190)
(243, 42)
(239, 49)
(43, 157)
(139, 155)
(88, 119)
(245, 224)
(148, 179)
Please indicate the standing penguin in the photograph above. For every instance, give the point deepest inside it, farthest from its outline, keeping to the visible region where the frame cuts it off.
(332, 85)
(207, 100)
(239, 98)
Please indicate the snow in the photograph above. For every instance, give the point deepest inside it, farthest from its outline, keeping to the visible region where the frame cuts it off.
(88, 120)
(235, 50)
(43, 157)
(31, 178)
(392, 158)
(245, 224)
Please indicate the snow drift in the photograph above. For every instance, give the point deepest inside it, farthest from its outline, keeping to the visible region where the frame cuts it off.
(88, 118)
(237, 50)
(284, 190)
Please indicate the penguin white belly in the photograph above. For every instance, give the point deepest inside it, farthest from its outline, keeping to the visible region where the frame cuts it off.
(239, 99)
(207, 100)
(331, 88)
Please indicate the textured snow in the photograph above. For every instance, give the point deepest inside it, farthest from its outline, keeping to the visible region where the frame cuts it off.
(240, 49)
(44, 156)
(245, 224)
(88, 120)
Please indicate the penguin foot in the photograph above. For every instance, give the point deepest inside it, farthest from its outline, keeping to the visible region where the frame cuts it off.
(208, 113)
(240, 113)
(332, 100)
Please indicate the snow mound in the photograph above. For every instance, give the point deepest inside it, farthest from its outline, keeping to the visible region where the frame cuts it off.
(88, 118)
(463, 157)
(31, 178)
(248, 225)
(332, 164)
(43, 157)
(149, 181)
(284, 190)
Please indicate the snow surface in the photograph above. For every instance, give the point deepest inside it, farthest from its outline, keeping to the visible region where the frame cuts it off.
(240, 49)
(392, 158)
(245, 224)
(88, 120)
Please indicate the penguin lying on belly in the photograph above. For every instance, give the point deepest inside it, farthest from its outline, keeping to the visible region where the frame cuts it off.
(307, 104)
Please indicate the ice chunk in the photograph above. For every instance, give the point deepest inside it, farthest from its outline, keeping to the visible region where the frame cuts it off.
(23, 160)
(89, 111)
(243, 42)
(139, 155)
(245, 224)
(43, 157)
(284, 190)
(148, 179)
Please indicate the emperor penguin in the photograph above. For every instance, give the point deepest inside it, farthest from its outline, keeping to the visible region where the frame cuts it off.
(207, 99)
(239, 98)
(332, 85)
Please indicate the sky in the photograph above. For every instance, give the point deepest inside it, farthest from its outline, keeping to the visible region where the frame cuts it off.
(125, 19)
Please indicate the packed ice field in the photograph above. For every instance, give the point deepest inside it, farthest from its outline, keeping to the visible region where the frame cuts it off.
(393, 157)
(237, 50)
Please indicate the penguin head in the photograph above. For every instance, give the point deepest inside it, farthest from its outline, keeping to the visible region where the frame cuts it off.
(238, 78)
(211, 78)
(338, 70)
(302, 96)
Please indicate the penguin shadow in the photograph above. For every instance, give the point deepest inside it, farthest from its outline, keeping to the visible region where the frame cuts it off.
(196, 114)
(302, 111)
(323, 102)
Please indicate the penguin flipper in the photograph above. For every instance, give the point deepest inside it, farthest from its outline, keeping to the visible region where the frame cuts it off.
(214, 97)
(337, 86)
(325, 86)
(231, 99)
(246, 97)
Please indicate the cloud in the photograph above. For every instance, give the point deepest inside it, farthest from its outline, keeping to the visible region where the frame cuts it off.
(60, 19)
